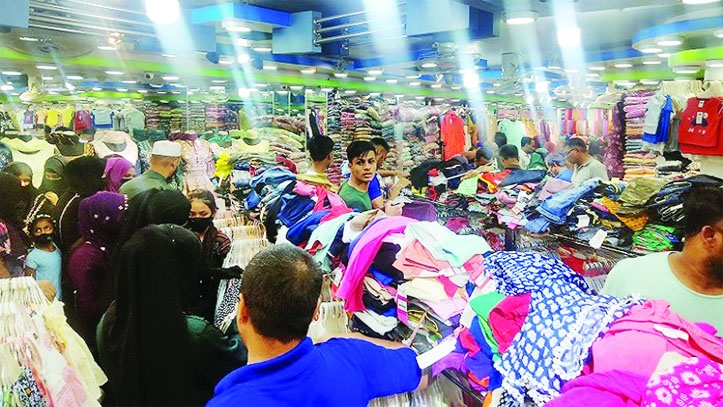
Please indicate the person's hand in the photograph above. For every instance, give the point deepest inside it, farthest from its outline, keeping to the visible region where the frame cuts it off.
(404, 182)
(393, 210)
(402, 174)
(48, 289)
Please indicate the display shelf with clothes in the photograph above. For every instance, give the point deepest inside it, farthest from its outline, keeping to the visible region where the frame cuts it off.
(44, 361)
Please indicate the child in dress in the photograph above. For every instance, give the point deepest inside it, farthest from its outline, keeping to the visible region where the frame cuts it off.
(44, 260)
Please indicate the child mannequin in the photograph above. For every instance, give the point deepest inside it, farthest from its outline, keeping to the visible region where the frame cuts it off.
(44, 261)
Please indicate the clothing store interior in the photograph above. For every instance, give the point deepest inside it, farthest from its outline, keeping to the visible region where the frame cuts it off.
(386, 203)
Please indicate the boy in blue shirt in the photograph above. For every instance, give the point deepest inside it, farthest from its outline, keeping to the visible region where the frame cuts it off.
(44, 260)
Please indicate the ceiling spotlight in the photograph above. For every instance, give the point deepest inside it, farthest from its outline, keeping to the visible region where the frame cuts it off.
(697, 2)
(653, 62)
(416, 83)
(168, 55)
(243, 58)
(568, 37)
(597, 68)
(370, 78)
(244, 92)
(520, 17)
(664, 55)
(624, 65)
(686, 69)
(270, 67)
(107, 47)
(429, 65)
(163, 11)
(235, 26)
(262, 49)
(170, 78)
(714, 63)
(669, 42)
(718, 33)
(11, 73)
(75, 77)
(340, 74)
(114, 38)
(114, 73)
(392, 81)
(649, 49)
(308, 71)
(296, 87)
(375, 72)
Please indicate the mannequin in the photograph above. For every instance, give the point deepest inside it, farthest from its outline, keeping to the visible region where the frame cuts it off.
(198, 164)
(68, 144)
(110, 142)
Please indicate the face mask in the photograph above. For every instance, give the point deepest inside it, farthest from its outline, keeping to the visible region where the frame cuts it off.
(199, 225)
(43, 239)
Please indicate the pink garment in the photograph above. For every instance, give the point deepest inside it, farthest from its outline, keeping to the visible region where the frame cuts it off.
(304, 189)
(553, 186)
(507, 318)
(448, 308)
(609, 389)
(635, 342)
(352, 287)
(415, 258)
(198, 165)
(449, 287)
(696, 382)
(327, 200)
(456, 224)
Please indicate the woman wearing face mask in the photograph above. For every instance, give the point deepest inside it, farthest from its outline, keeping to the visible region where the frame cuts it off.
(25, 174)
(52, 186)
(216, 246)
(14, 243)
(118, 171)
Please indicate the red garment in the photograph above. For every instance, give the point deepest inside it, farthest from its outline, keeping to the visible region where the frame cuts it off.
(507, 317)
(452, 135)
(700, 129)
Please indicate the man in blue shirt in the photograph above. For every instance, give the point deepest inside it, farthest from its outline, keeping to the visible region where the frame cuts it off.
(279, 298)
(559, 166)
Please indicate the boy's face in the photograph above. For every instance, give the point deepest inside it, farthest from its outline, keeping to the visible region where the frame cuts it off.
(363, 167)
(43, 227)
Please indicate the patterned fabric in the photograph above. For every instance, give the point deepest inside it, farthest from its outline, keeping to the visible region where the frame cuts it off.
(6, 155)
(26, 390)
(564, 320)
(693, 383)
(5, 245)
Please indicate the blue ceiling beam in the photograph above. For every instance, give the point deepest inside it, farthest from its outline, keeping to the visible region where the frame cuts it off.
(604, 56)
(220, 12)
(678, 27)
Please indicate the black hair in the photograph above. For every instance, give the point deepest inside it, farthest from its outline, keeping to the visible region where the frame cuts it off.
(280, 287)
(38, 218)
(500, 139)
(205, 196)
(380, 142)
(704, 206)
(320, 147)
(358, 149)
(509, 151)
(483, 153)
(525, 141)
(84, 175)
(576, 142)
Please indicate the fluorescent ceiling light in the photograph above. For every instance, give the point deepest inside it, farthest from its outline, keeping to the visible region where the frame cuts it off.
(623, 65)
(592, 75)
(47, 78)
(520, 17)
(340, 74)
(518, 94)
(47, 67)
(12, 73)
(714, 63)
(261, 85)
(262, 49)
(52, 92)
(436, 85)
(439, 99)
(650, 50)
(412, 76)
(375, 71)
(29, 39)
(416, 83)
(669, 42)
(14, 94)
(97, 89)
(170, 78)
(648, 82)
(689, 69)
(216, 88)
(718, 33)
(572, 70)
(370, 78)
(296, 87)
(107, 47)
(129, 81)
(375, 94)
(243, 42)
(219, 81)
(392, 81)
(161, 92)
(597, 68)
(244, 93)
(143, 91)
(491, 91)
(308, 71)
(282, 92)
(225, 61)
(350, 92)
(568, 37)
(327, 90)
(114, 73)
(163, 11)
(168, 55)
(429, 65)
(270, 67)
(697, 2)
(243, 58)
(456, 87)
(176, 92)
(6, 88)
(122, 89)
(75, 77)
(177, 85)
(665, 55)
(653, 62)
(235, 26)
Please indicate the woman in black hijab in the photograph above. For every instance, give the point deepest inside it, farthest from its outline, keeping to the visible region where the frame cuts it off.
(25, 175)
(152, 350)
(14, 243)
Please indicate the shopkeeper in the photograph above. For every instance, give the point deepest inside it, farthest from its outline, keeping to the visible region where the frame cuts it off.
(586, 167)
(165, 159)
(691, 280)
(382, 148)
(284, 367)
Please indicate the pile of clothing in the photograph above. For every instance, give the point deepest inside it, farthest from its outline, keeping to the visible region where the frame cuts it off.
(634, 162)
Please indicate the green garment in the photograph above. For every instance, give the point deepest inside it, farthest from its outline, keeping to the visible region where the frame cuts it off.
(482, 306)
(148, 180)
(468, 187)
(537, 160)
(355, 199)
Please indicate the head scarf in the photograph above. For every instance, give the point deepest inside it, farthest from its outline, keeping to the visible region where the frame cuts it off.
(12, 199)
(99, 218)
(85, 175)
(156, 270)
(56, 165)
(115, 169)
(18, 168)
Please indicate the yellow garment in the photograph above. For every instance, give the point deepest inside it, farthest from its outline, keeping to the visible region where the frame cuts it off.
(54, 118)
(68, 115)
(314, 178)
(223, 166)
(261, 147)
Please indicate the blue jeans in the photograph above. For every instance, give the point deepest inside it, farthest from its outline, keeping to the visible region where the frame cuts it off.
(556, 207)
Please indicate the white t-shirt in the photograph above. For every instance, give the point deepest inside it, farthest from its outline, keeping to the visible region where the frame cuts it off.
(651, 277)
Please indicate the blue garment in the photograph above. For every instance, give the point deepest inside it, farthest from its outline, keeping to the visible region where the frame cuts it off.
(556, 207)
(537, 225)
(381, 277)
(375, 188)
(294, 208)
(301, 231)
(272, 176)
(47, 266)
(565, 175)
(523, 176)
(339, 372)
(661, 134)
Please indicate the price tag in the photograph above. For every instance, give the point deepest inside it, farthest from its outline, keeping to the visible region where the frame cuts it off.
(402, 314)
(583, 221)
(597, 241)
(699, 118)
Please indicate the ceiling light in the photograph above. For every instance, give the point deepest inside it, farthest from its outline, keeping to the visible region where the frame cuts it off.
(665, 55)
(177, 85)
(308, 71)
(107, 47)
(375, 72)
(568, 37)
(29, 39)
(542, 86)
(225, 61)
(623, 65)
(592, 75)
(686, 69)
(122, 89)
(216, 88)
(14, 94)
(47, 67)
(572, 70)
(244, 93)
(718, 33)
(653, 62)
(436, 85)
(456, 87)
(649, 49)
(262, 49)
(143, 91)
(519, 94)
(6, 88)
(114, 73)
(491, 91)
(399, 96)
(219, 81)
(189, 93)
(235, 26)
(439, 99)
(350, 92)
(714, 63)
(520, 17)
(129, 81)
(375, 94)
(392, 81)
(327, 90)
(412, 76)
(176, 92)
(296, 87)
(12, 73)
(597, 68)
(163, 11)
(261, 85)
(669, 42)
(420, 97)
(75, 77)
(168, 55)
(52, 92)
(416, 83)
(171, 78)
(649, 82)
(553, 65)
(470, 80)
(340, 74)
(243, 58)
(429, 65)
(270, 67)
(626, 84)
(370, 78)
(97, 89)
(282, 92)
(47, 78)
(161, 92)
(697, 2)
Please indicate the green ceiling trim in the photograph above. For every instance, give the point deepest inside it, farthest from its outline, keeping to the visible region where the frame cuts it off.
(638, 75)
(695, 56)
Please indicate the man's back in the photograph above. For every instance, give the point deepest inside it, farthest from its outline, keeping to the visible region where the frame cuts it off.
(148, 180)
(339, 372)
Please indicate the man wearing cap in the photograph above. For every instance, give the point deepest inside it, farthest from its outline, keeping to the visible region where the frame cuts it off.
(165, 159)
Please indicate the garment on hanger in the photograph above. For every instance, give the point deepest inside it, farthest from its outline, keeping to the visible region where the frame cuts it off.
(132, 119)
(700, 127)
(68, 115)
(111, 142)
(102, 117)
(82, 121)
(514, 130)
(452, 135)
(54, 118)
(198, 165)
(33, 153)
